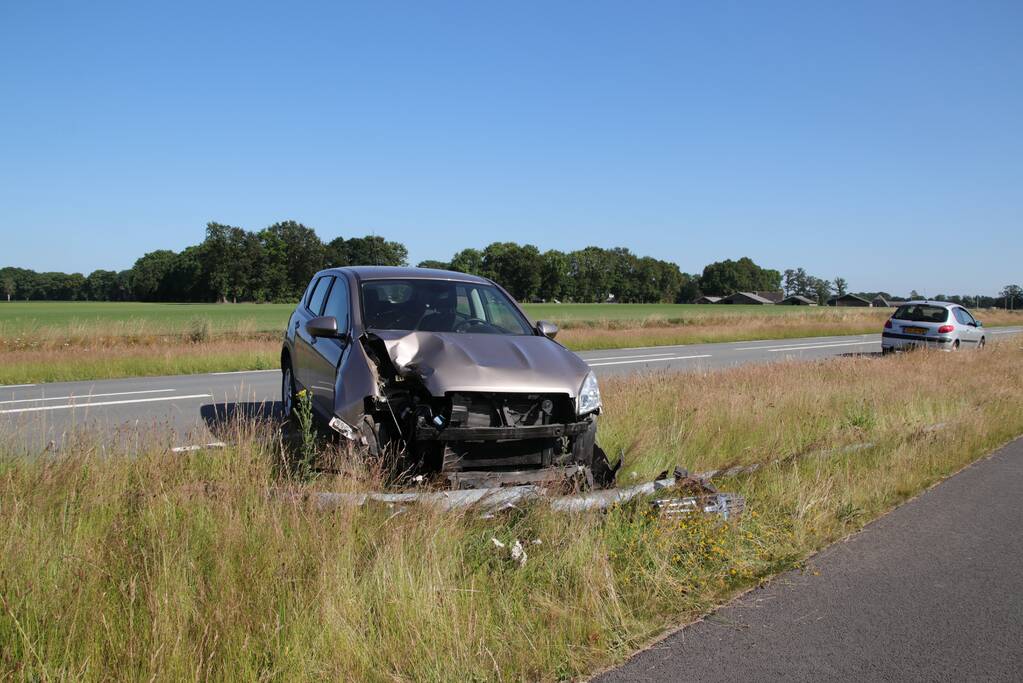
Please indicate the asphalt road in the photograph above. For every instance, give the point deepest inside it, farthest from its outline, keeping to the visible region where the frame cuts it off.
(932, 591)
(189, 408)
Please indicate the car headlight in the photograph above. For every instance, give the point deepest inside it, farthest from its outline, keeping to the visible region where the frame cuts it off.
(589, 396)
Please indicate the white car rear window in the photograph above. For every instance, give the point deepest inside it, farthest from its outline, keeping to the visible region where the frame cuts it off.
(922, 313)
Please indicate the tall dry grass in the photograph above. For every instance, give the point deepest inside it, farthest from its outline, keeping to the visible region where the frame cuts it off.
(152, 359)
(132, 563)
(82, 351)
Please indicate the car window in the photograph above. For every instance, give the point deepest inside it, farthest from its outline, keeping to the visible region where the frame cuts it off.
(440, 306)
(463, 302)
(960, 315)
(319, 294)
(337, 303)
(922, 313)
(967, 317)
(499, 310)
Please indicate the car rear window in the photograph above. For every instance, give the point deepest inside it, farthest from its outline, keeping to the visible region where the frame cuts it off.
(922, 313)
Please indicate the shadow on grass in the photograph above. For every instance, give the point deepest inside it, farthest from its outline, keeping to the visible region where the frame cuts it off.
(222, 418)
(861, 354)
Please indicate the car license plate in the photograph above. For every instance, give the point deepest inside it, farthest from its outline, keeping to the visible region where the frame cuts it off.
(914, 330)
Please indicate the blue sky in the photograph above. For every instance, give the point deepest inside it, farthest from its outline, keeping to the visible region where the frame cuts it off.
(879, 141)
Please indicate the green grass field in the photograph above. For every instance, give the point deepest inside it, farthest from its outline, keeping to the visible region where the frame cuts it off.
(625, 312)
(17, 317)
(21, 316)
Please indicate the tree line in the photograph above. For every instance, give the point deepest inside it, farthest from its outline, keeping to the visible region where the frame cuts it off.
(585, 275)
(276, 263)
(230, 264)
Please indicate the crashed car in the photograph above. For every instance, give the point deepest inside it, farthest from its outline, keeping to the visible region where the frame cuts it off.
(442, 373)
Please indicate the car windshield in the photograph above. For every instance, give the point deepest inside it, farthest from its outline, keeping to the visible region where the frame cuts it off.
(922, 313)
(440, 306)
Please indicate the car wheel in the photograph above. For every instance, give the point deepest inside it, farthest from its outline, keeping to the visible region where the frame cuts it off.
(955, 345)
(287, 389)
(981, 343)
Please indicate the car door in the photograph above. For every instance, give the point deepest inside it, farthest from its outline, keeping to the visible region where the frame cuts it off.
(970, 332)
(327, 353)
(962, 332)
(311, 307)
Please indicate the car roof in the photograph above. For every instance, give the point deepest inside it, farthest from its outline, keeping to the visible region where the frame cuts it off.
(394, 272)
(942, 304)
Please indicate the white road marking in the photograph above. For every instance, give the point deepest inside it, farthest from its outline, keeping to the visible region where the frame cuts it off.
(821, 346)
(242, 372)
(647, 355)
(15, 386)
(84, 396)
(803, 345)
(198, 447)
(649, 360)
(103, 403)
(1005, 331)
(785, 342)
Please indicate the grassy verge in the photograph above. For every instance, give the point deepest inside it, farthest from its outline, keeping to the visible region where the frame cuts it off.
(181, 567)
(106, 362)
(84, 350)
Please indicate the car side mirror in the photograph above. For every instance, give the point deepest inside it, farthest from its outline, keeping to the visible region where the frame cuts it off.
(323, 326)
(547, 329)
(978, 324)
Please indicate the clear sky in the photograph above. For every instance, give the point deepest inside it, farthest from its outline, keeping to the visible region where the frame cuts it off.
(878, 141)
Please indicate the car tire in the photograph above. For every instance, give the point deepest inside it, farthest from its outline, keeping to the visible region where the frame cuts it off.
(981, 343)
(955, 345)
(287, 389)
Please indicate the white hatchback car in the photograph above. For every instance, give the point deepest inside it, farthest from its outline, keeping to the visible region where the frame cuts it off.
(934, 324)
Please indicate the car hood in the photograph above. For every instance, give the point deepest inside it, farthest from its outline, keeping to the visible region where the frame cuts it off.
(448, 361)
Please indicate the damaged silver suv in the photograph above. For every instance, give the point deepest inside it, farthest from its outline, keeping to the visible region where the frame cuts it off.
(443, 374)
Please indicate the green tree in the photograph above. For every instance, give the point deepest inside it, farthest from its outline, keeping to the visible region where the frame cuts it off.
(337, 253)
(590, 271)
(293, 255)
(516, 268)
(185, 279)
(1013, 295)
(841, 286)
(10, 285)
(468, 261)
(148, 273)
(101, 285)
(436, 265)
(819, 289)
(655, 281)
(226, 261)
(727, 277)
(372, 250)
(689, 291)
(554, 282)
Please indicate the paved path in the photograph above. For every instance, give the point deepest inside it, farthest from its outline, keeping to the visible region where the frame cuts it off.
(933, 591)
(189, 407)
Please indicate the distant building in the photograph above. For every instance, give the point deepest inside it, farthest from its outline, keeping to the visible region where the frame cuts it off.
(774, 296)
(707, 300)
(747, 298)
(880, 302)
(797, 300)
(849, 300)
